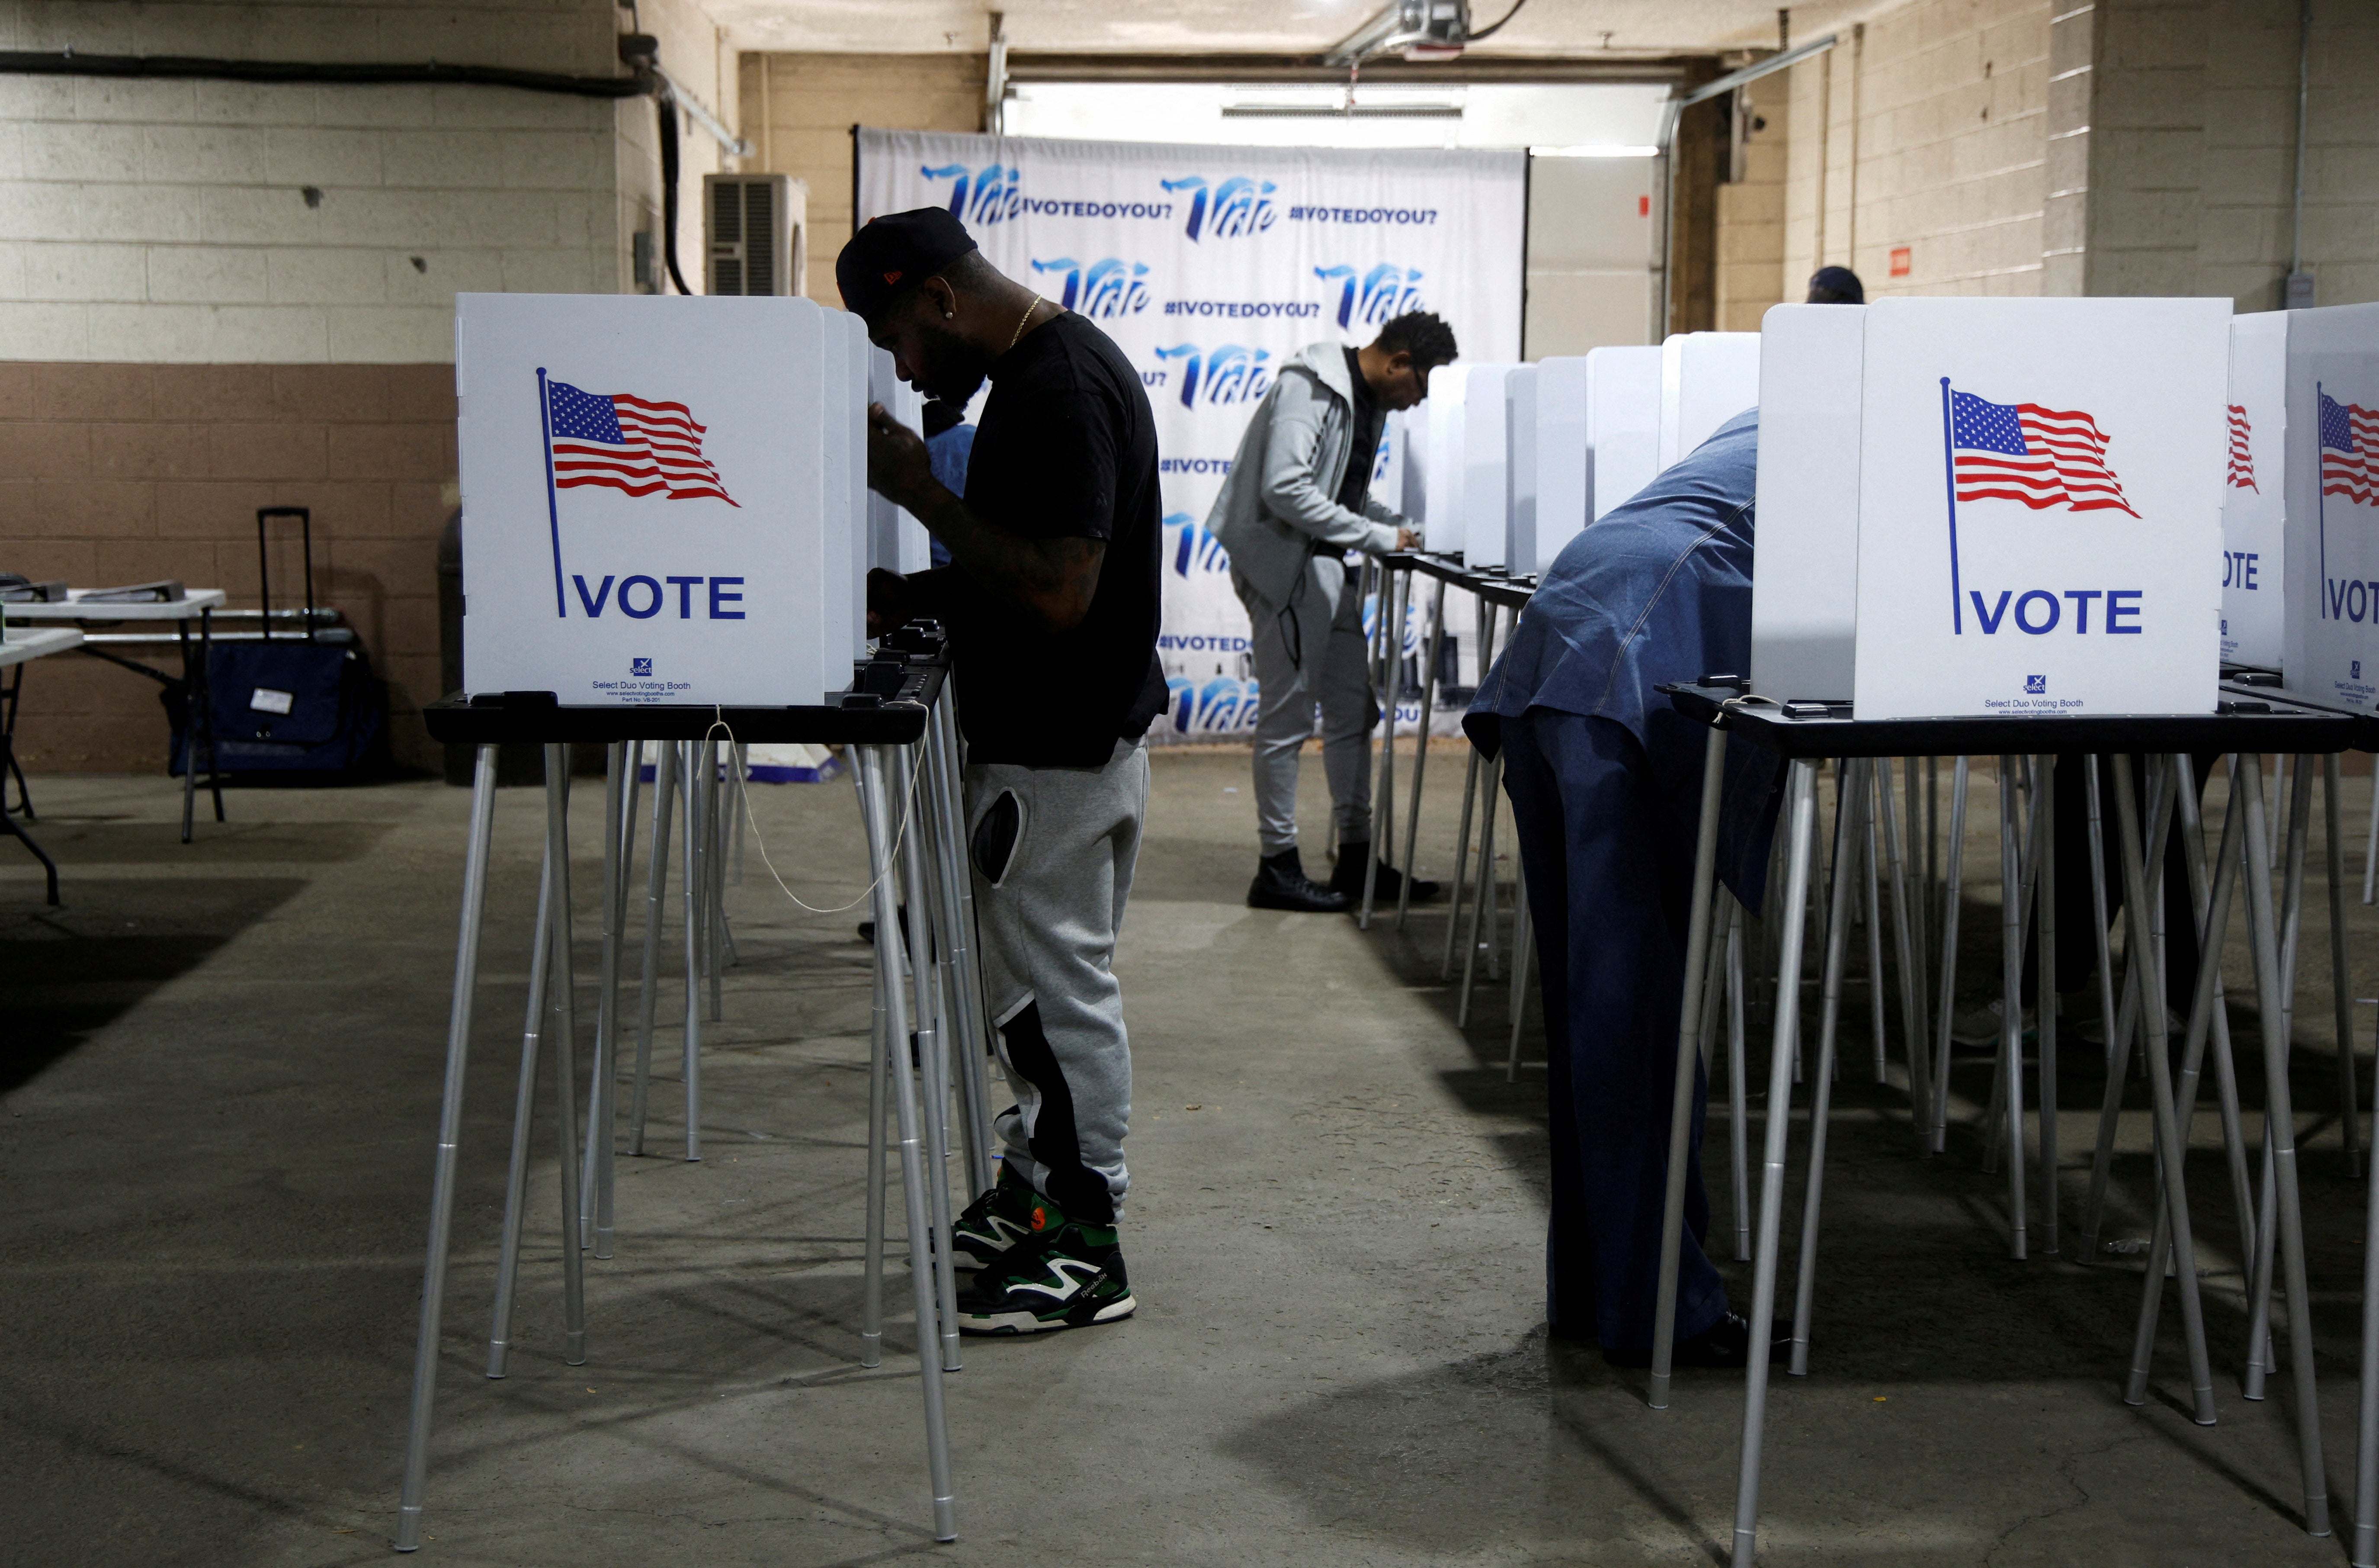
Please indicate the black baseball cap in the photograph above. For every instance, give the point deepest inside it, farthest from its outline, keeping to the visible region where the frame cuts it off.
(894, 253)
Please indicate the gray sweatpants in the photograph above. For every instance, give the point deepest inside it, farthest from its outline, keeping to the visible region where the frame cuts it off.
(1311, 650)
(1053, 849)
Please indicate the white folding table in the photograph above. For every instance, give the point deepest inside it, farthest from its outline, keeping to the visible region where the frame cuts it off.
(15, 653)
(197, 605)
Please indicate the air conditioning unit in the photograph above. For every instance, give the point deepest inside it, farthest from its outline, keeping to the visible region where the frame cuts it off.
(755, 228)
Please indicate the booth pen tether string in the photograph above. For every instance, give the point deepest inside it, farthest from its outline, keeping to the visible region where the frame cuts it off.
(907, 811)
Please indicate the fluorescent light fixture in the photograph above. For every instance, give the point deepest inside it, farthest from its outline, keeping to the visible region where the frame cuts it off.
(1595, 149)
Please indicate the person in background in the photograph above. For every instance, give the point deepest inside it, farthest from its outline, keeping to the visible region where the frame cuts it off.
(1835, 285)
(1605, 776)
(1297, 499)
(949, 440)
(1052, 605)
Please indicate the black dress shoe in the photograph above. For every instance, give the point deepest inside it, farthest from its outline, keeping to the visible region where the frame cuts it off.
(1281, 884)
(1347, 877)
(1725, 1344)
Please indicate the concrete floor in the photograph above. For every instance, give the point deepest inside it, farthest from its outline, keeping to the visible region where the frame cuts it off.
(220, 1070)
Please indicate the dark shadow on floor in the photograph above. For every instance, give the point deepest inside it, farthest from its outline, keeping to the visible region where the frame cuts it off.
(67, 973)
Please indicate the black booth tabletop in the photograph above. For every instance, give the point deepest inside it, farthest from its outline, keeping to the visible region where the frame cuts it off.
(2240, 682)
(2246, 722)
(890, 697)
(1494, 585)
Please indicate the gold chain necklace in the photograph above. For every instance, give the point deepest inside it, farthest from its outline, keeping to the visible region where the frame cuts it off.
(1019, 336)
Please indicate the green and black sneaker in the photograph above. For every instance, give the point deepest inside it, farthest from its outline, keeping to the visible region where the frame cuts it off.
(995, 1222)
(1067, 1275)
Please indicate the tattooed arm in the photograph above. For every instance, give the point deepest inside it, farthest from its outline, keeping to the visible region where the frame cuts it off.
(1049, 581)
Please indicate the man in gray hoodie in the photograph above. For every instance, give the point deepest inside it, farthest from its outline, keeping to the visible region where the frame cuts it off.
(1297, 499)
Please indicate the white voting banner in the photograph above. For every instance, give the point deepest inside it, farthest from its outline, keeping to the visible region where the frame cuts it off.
(2255, 495)
(2040, 494)
(1805, 573)
(646, 512)
(1210, 267)
(2332, 607)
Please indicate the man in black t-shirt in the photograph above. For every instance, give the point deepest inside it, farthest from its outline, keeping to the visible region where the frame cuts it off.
(1052, 604)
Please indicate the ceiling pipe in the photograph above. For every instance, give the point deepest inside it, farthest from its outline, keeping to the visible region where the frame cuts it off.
(1670, 114)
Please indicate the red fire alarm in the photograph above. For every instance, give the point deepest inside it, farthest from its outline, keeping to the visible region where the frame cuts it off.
(1900, 261)
(1643, 205)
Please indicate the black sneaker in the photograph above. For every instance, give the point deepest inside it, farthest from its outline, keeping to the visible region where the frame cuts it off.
(1725, 1344)
(1347, 877)
(995, 1222)
(1068, 1276)
(1281, 884)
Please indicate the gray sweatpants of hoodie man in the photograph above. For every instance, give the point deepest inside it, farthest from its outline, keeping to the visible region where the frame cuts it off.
(1309, 651)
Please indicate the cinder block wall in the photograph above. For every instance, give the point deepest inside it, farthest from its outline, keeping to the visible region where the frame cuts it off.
(216, 295)
(1925, 129)
(2195, 151)
(798, 111)
(116, 473)
(2112, 147)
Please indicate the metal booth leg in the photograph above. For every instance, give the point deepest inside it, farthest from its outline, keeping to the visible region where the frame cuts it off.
(1522, 951)
(1866, 853)
(2171, 1142)
(1738, 1113)
(961, 979)
(2212, 907)
(450, 1132)
(2366, 1412)
(979, 1050)
(1953, 889)
(1420, 749)
(1474, 765)
(2112, 1020)
(933, 1062)
(870, 1289)
(2341, 974)
(656, 881)
(696, 879)
(2012, 1001)
(595, 1192)
(1395, 591)
(540, 1007)
(1484, 915)
(880, 827)
(1849, 828)
(1800, 809)
(2044, 814)
(1681, 1095)
(1907, 937)
(2279, 1116)
(565, 1055)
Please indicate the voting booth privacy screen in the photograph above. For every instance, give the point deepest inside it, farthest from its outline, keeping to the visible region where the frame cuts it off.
(2254, 491)
(2332, 607)
(1210, 267)
(2040, 506)
(662, 496)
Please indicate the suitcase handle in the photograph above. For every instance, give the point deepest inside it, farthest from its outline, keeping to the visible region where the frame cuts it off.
(264, 516)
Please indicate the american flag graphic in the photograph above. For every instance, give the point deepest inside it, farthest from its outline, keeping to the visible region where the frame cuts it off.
(2242, 460)
(2043, 458)
(628, 444)
(2349, 435)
